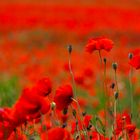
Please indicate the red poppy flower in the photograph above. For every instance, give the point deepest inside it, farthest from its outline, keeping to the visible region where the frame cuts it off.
(87, 120)
(5, 114)
(29, 106)
(130, 128)
(32, 102)
(56, 134)
(43, 87)
(88, 72)
(122, 120)
(63, 96)
(95, 136)
(99, 44)
(64, 117)
(79, 79)
(135, 62)
(5, 130)
(74, 126)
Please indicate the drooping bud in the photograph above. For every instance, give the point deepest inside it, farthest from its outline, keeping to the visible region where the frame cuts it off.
(70, 49)
(130, 55)
(114, 66)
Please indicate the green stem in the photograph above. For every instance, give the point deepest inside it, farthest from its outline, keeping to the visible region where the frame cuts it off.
(74, 89)
(77, 126)
(104, 87)
(131, 91)
(116, 81)
(115, 114)
(115, 104)
(106, 102)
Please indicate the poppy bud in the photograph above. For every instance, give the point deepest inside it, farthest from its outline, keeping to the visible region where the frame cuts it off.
(130, 55)
(112, 85)
(65, 111)
(116, 94)
(114, 66)
(84, 113)
(64, 125)
(89, 127)
(53, 105)
(90, 137)
(104, 60)
(70, 48)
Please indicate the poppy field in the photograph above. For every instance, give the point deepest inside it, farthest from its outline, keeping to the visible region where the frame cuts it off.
(70, 71)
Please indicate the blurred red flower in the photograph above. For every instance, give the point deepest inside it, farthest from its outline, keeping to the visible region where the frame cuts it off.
(135, 62)
(124, 122)
(63, 96)
(130, 128)
(58, 134)
(87, 120)
(29, 106)
(43, 87)
(99, 44)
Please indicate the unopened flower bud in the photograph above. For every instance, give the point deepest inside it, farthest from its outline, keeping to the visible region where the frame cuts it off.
(64, 125)
(89, 127)
(116, 94)
(65, 111)
(84, 113)
(114, 66)
(53, 105)
(90, 137)
(70, 48)
(130, 55)
(112, 85)
(104, 60)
